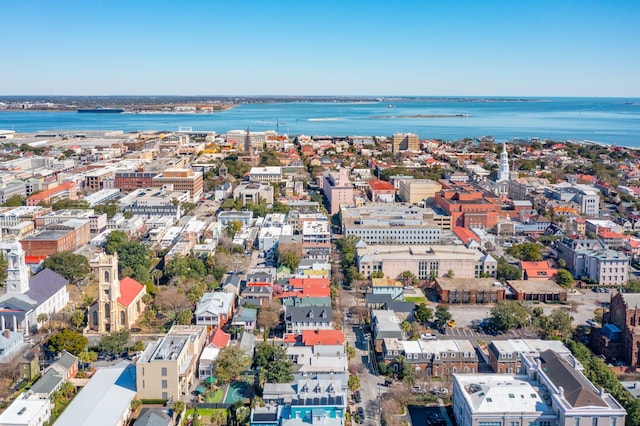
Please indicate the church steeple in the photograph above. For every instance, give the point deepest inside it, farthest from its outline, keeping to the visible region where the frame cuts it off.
(17, 271)
(503, 170)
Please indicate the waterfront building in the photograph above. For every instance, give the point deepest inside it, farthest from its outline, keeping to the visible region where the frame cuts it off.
(180, 180)
(405, 142)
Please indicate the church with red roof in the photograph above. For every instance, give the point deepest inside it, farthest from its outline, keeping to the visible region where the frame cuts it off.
(119, 303)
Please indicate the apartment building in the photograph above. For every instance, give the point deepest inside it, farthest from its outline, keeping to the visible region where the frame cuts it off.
(338, 189)
(180, 180)
(65, 190)
(436, 358)
(590, 259)
(587, 197)
(416, 191)
(130, 181)
(167, 367)
(404, 142)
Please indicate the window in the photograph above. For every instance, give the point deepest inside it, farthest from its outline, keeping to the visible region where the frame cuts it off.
(164, 384)
(490, 424)
(576, 421)
(594, 421)
(164, 371)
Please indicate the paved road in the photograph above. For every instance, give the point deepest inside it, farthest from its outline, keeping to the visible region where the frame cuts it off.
(370, 384)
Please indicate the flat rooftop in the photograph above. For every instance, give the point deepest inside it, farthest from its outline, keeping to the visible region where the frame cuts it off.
(469, 284)
(536, 286)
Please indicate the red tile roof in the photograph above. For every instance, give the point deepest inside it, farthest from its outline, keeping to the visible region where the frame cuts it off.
(610, 235)
(322, 337)
(465, 234)
(381, 185)
(34, 259)
(220, 339)
(541, 269)
(129, 289)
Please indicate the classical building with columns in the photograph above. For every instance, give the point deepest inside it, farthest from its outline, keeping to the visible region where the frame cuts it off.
(26, 298)
(119, 303)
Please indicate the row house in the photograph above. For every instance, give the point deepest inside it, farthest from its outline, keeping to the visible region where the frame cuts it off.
(435, 357)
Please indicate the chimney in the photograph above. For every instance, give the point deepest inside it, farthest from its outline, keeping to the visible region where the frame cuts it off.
(6, 333)
(601, 393)
(538, 364)
(560, 391)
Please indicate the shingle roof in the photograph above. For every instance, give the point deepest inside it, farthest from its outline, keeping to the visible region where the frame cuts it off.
(576, 388)
(153, 417)
(44, 285)
(307, 313)
(47, 383)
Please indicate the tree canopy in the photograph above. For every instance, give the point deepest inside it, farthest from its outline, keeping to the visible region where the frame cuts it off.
(508, 314)
(423, 314)
(134, 258)
(526, 251)
(273, 360)
(67, 340)
(186, 267)
(72, 266)
(564, 278)
(443, 316)
(507, 271)
(230, 363)
(114, 343)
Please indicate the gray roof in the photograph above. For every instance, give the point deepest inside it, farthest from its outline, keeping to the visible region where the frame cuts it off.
(66, 360)
(246, 314)
(263, 277)
(233, 279)
(308, 313)
(46, 384)
(377, 298)
(406, 307)
(261, 290)
(577, 389)
(154, 417)
(44, 285)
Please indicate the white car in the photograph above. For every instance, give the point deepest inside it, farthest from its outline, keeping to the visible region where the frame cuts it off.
(427, 336)
(592, 322)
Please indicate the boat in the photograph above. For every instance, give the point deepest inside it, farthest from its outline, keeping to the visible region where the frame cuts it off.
(391, 106)
(102, 110)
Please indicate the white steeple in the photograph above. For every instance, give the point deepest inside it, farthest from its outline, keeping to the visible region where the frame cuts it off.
(503, 170)
(17, 271)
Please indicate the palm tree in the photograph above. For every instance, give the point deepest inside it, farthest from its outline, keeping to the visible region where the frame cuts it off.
(157, 274)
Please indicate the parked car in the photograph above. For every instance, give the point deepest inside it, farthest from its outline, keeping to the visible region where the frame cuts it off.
(592, 322)
(361, 414)
(427, 336)
(388, 382)
(357, 397)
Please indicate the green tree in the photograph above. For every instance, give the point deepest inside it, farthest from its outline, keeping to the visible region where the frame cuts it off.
(3, 270)
(184, 317)
(409, 278)
(423, 314)
(353, 382)
(350, 351)
(233, 227)
(219, 417)
(78, 319)
(132, 255)
(186, 267)
(110, 208)
(508, 314)
(526, 251)
(279, 207)
(230, 363)
(377, 274)
(70, 204)
(14, 201)
(178, 407)
(289, 259)
(561, 323)
(506, 271)
(273, 360)
(564, 278)
(72, 266)
(443, 316)
(114, 343)
(405, 326)
(67, 340)
(87, 357)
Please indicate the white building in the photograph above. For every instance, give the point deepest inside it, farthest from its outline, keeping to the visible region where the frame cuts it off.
(266, 174)
(316, 232)
(27, 410)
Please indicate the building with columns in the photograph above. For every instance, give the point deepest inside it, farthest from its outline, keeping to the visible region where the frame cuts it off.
(26, 298)
(119, 303)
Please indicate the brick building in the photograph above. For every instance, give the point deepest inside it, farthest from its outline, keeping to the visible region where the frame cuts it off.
(130, 181)
(469, 290)
(49, 242)
(619, 336)
(66, 190)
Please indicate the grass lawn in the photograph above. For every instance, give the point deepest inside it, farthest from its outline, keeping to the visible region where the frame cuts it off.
(416, 299)
(205, 415)
(214, 397)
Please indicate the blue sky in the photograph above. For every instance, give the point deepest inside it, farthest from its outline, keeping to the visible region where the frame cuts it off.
(304, 47)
